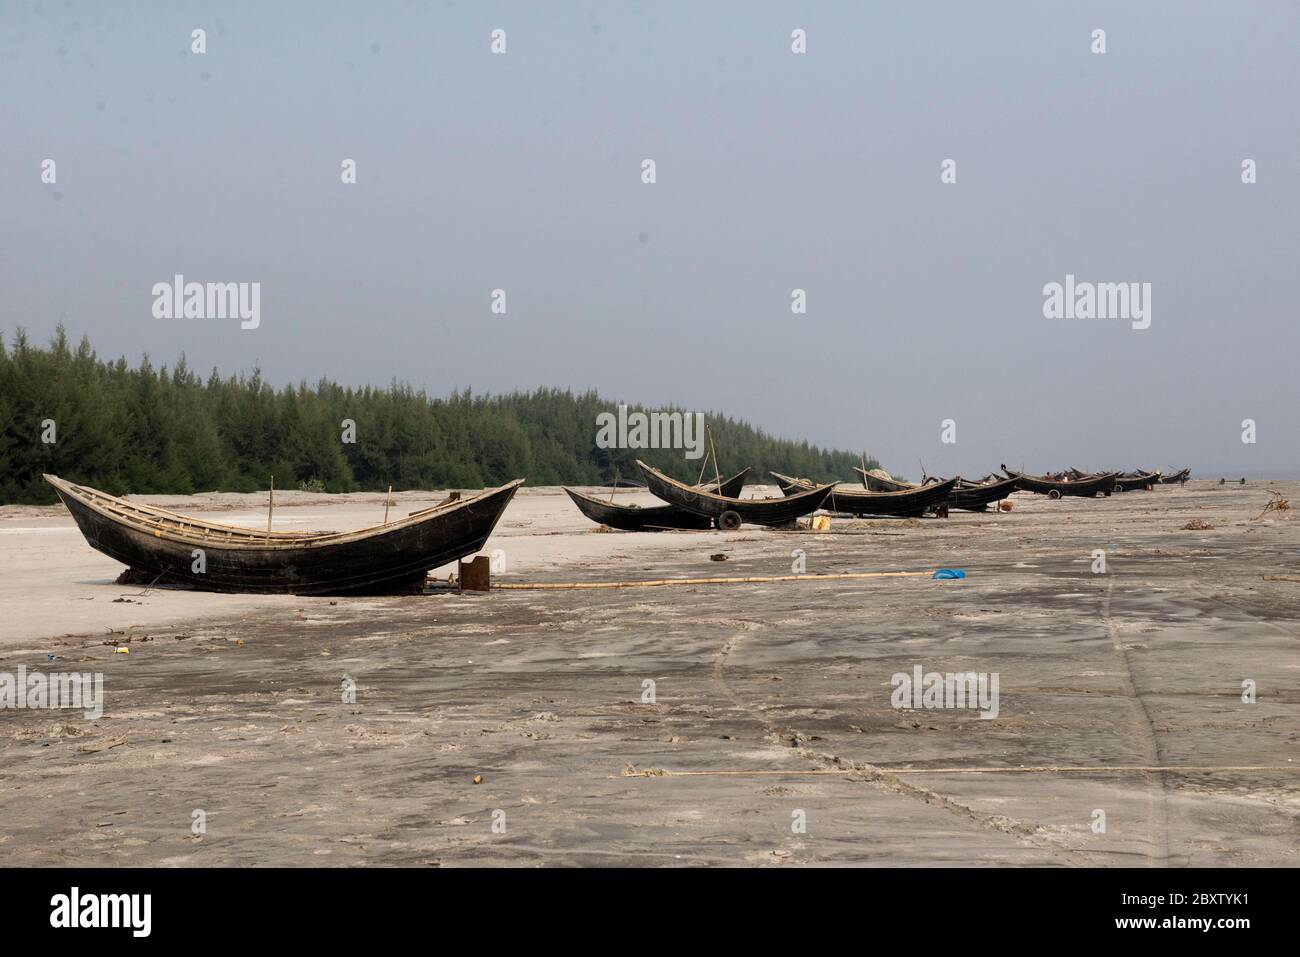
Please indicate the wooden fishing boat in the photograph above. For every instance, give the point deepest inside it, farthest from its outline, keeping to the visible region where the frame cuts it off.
(1133, 482)
(978, 496)
(1088, 487)
(729, 512)
(1124, 481)
(158, 544)
(847, 500)
(1176, 478)
(876, 483)
(969, 496)
(655, 518)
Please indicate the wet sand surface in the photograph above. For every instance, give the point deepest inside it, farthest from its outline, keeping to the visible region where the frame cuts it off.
(771, 702)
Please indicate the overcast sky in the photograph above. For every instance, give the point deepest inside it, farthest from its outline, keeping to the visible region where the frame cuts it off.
(775, 171)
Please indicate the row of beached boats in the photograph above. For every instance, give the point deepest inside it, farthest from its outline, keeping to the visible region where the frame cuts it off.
(719, 504)
(159, 546)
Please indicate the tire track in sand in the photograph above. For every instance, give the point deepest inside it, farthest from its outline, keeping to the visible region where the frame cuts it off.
(892, 783)
(1157, 789)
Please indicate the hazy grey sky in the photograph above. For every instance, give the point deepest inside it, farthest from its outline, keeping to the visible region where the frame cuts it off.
(775, 171)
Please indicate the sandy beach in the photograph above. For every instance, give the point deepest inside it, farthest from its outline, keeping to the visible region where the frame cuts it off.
(770, 739)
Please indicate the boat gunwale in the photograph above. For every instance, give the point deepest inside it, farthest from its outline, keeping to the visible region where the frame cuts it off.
(682, 486)
(571, 491)
(852, 491)
(1094, 477)
(251, 539)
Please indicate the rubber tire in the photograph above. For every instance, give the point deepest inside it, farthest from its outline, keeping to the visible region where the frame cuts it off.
(729, 521)
(1054, 494)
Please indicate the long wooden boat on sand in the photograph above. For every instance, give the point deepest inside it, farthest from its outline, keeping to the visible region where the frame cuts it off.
(1124, 481)
(968, 496)
(729, 512)
(1087, 487)
(157, 544)
(1177, 478)
(655, 518)
(878, 483)
(978, 496)
(1133, 483)
(847, 500)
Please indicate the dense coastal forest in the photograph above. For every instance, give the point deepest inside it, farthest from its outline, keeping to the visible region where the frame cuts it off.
(124, 428)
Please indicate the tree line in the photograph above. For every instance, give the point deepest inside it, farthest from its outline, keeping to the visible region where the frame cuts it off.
(141, 429)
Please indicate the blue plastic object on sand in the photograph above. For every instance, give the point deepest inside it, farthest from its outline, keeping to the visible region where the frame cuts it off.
(949, 573)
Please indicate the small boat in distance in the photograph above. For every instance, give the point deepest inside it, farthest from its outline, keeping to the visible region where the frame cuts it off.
(967, 496)
(847, 500)
(728, 512)
(161, 545)
(655, 518)
(1177, 478)
(1140, 480)
(1124, 481)
(1087, 487)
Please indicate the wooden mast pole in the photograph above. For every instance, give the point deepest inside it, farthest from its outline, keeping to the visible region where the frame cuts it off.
(716, 474)
(270, 505)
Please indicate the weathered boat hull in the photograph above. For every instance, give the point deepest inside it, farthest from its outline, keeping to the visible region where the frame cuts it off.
(387, 557)
(1127, 483)
(968, 496)
(631, 518)
(975, 497)
(874, 483)
(1087, 487)
(757, 511)
(1177, 478)
(656, 518)
(850, 501)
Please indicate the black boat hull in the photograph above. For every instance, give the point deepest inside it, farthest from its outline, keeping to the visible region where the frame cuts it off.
(756, 511)
(968, 496)
(875, 483)
(387, 559)
(845, 500)
(656, 518)
(1134, 483)
(631, 518)
(1086, 488)
(977, 498)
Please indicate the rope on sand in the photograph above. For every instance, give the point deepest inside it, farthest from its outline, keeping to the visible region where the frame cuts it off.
(633, 772)
(659, 582)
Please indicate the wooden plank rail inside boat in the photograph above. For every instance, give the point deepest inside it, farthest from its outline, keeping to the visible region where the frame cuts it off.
(394, 556)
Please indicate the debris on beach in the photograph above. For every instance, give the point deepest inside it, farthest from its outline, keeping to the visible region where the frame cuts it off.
(1276, 503)
(1197, 525)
